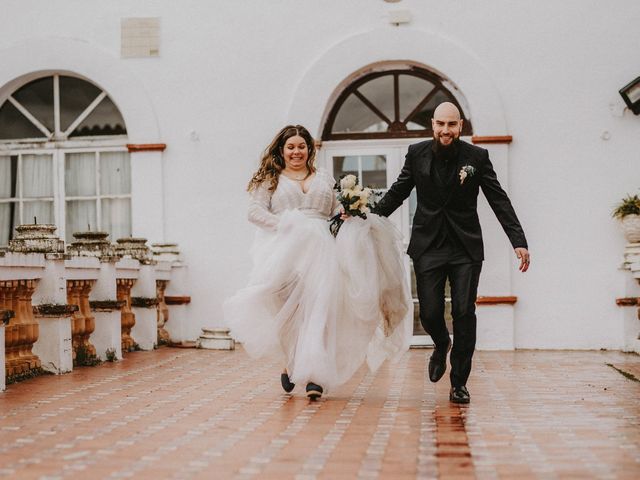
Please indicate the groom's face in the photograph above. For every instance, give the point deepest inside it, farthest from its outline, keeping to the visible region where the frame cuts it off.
(447, 126)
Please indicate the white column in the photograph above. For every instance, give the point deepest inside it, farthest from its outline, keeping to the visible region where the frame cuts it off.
(145, 331)
(107, 337)
(496, 323)
(50, 298)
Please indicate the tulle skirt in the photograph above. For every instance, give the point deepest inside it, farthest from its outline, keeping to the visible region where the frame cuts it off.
(325, 304)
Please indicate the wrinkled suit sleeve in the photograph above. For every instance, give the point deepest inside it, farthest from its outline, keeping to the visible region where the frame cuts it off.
(500, 204)
(399, 191)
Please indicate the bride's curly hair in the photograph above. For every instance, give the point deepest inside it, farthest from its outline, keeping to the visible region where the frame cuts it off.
(272, 162)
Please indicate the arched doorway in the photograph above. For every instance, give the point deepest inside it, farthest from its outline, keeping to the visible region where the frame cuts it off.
(369, 127)
(63, 158)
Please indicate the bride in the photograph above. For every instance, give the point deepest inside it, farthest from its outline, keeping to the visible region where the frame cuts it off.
(323, 304)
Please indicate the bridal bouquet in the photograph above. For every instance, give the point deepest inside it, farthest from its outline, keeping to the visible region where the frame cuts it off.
(355, 200)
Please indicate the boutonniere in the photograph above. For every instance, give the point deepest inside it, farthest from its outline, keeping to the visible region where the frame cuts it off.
(466, 171)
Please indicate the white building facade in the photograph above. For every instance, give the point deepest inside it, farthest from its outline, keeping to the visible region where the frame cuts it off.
(181, 98)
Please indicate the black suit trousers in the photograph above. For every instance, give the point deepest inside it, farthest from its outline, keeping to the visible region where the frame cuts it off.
(463, 278)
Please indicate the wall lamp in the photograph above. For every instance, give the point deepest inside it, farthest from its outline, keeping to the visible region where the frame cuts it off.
(631, 95)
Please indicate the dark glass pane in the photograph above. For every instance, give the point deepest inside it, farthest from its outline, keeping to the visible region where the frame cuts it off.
(412, 91)
(379, 91)
(345, 166)
(374, 171)
(37, 97)
(8, 176)
(75, 96)
(14, 125)
(8, 220)
(104, 120)
(355, 116)
(422, 120)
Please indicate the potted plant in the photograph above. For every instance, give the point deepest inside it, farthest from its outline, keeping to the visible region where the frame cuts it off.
(628, 212)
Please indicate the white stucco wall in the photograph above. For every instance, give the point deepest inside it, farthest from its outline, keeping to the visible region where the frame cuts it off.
(232, 73)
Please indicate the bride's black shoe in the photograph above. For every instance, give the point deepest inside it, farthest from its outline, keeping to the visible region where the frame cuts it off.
(286, 383)
(314, 391)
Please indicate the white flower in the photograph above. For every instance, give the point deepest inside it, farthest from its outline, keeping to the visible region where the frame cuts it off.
(466, 171)
(348, 182)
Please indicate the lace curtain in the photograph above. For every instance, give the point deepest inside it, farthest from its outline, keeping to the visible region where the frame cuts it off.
(37, 182)
(36, 172)
(83, 192)
(80, 181)
(115, 179)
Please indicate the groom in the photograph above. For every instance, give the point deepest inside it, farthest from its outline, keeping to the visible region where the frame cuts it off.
(446, 240)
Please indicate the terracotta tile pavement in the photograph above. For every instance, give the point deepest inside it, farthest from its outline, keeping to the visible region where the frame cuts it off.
(198, 414)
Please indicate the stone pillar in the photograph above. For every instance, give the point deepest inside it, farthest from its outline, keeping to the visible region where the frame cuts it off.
(215, 339)
(82, 322)
(176, 295)
(34, 251)
(22, 331)
(5, 316)
(54, 347)
(103, 302)
(632, 320)
(143, 293)
(127, 318)
(162, 312)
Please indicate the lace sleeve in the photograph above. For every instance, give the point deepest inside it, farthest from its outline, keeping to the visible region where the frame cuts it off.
(259, 212)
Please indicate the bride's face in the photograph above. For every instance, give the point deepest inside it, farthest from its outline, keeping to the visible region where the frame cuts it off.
(295, 153)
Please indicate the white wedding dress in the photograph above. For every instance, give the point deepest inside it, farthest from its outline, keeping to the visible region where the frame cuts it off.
(323, 304)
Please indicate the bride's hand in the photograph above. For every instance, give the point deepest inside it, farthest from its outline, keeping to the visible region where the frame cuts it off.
(343, 215)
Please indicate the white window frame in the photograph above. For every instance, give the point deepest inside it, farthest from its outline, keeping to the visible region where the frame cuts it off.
(98, 197)
(19, 198)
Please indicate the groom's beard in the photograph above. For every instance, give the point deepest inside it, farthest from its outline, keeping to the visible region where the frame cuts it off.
(446, 151)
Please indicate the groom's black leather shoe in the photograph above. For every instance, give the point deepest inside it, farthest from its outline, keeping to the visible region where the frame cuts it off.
(286, 383)
(314, 391)
(459, 395)
(438, 362)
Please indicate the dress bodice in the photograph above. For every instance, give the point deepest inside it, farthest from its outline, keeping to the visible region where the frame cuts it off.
(320, 200)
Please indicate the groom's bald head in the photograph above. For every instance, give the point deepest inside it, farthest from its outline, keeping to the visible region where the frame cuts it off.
(446, 123)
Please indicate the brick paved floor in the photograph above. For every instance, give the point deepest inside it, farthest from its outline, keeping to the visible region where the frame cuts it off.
(181, 413)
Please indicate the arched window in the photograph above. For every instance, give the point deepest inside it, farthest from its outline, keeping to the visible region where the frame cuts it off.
(63, 159)
(389, 104)
(370, 127)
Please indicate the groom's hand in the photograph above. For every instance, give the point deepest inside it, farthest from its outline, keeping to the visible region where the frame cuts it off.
(525, 258)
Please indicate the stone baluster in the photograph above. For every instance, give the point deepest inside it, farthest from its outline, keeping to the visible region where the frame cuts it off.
(127, 318)
(101, 304)
(22, 330)
(163, 312)
(180, 330)
(82, 321)
(22, 267)
(143, 293)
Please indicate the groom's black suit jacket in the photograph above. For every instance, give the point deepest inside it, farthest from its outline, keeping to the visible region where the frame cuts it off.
(449, 205)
